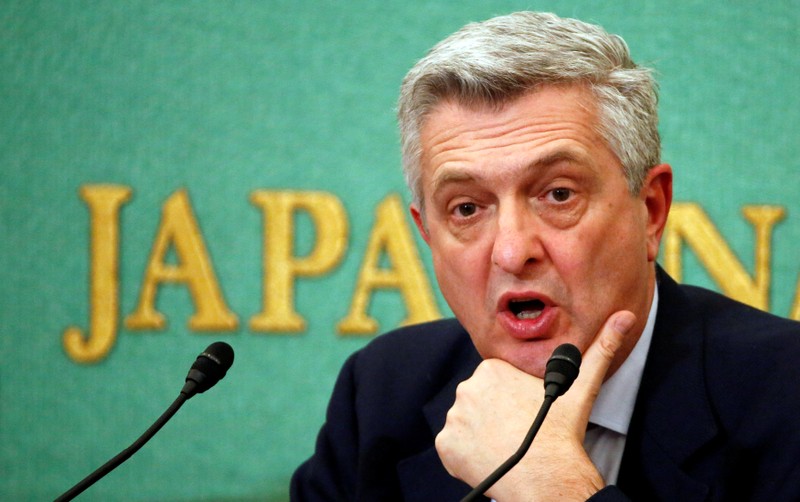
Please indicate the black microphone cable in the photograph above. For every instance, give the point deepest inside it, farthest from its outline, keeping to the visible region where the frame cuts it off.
(208, 369)
(561, 370)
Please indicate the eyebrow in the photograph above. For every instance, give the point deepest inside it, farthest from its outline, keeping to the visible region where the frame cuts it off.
(461, 176)
(452, 176)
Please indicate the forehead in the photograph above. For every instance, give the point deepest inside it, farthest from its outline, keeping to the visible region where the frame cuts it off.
(549, 123)
(555, 109)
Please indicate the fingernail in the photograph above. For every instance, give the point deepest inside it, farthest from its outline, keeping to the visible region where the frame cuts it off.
(624, 322)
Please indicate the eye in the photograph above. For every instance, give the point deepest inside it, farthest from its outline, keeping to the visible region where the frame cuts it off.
(466, 209)
(561, 194)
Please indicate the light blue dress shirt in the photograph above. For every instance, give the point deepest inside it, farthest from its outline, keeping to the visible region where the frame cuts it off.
(611, 414)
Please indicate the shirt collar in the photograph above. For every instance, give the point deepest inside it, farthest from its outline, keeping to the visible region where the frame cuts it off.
(613, 407)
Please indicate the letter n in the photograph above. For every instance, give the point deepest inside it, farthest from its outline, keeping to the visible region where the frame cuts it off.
(689, 223)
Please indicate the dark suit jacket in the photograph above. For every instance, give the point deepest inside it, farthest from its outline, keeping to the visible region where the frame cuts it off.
(717, 416)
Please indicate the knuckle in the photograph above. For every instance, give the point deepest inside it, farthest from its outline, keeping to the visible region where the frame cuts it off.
(462, 390)
(610, 343)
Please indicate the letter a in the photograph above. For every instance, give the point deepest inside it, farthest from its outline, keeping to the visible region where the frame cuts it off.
(179, 228)
(391, 235)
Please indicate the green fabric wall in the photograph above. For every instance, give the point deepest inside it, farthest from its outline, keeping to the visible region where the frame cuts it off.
(226, 97)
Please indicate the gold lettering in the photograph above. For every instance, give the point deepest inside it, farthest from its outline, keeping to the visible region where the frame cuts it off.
(179, 228)
(795, 313)
(688, 222)
(104, 202)
(390, 235)
(280, 266)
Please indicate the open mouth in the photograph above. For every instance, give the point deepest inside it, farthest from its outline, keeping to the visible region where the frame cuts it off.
(526, 309)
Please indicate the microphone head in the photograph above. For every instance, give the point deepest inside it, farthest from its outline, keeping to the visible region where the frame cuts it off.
(209, 368)
(561, 369)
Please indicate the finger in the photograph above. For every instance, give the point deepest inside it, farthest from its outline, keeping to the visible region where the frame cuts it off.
(598, 357)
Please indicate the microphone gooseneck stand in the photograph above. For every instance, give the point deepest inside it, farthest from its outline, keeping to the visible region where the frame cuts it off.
(124, 454)
(208, 369)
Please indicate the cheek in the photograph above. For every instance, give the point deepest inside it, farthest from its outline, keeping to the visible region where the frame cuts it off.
(577, 255)
(457, 267)
(605, 274)
(461, 271)
(596, 257)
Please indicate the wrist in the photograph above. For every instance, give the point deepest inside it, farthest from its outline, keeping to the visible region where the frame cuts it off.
(567, 483)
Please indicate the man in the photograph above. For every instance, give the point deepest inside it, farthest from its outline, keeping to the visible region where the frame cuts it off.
(530, 146)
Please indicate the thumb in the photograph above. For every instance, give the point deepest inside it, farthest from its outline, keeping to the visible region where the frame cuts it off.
(598, 357)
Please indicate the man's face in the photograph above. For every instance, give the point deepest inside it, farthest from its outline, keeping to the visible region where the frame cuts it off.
(535, 236)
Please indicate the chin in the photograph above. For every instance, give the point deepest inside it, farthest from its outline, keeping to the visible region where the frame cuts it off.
(531, 363)
(534, 369)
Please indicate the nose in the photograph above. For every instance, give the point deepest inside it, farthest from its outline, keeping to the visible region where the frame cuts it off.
(517, 241)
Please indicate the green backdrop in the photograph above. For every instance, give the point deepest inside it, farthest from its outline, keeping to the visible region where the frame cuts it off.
(223, 98)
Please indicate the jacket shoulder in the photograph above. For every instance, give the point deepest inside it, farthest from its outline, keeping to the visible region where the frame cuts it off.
(413, 357)
(750, 362)
(731, 327)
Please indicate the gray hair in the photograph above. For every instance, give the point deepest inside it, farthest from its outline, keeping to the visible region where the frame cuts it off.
(495, 61)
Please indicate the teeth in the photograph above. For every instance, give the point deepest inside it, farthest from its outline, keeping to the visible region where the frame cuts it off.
(526, 309)
(529, 314)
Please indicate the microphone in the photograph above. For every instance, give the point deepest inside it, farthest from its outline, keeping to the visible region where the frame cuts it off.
(560, 371)
(209, 368)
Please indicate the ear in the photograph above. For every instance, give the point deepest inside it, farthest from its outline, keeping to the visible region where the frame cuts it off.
(419, 220)
(657, 196)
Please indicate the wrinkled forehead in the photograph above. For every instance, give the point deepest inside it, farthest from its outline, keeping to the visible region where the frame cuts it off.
(496, 103)
(555, 126)
(457, 122)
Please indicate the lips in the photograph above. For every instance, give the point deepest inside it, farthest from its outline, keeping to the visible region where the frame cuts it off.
(526, 316)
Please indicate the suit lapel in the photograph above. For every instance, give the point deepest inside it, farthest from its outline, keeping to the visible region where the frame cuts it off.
(660, 438)
(673, 417)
